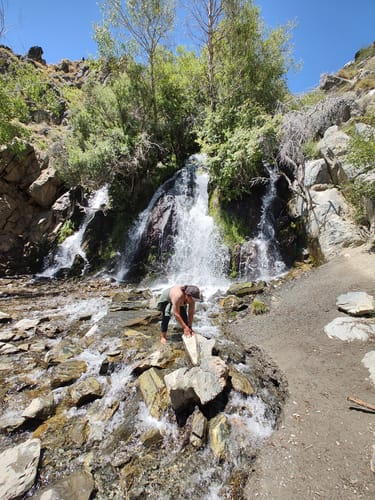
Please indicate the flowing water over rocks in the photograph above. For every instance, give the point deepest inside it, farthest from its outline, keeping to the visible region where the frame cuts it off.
(83, 373)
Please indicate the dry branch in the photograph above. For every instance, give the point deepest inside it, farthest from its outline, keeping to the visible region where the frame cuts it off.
(359, 402)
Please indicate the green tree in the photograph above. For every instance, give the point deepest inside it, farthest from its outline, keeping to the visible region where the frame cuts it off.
(147, 23)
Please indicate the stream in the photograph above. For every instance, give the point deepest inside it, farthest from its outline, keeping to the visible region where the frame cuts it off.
(83, 371)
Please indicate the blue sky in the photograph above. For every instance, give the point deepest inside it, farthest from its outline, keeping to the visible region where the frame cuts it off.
(328, 32)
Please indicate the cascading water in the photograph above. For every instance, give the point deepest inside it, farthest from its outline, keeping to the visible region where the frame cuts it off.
(170, 188)
(72, 246)
(200, 257)
(262, 260)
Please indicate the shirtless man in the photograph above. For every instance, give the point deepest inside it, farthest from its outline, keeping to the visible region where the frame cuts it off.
(176, 300)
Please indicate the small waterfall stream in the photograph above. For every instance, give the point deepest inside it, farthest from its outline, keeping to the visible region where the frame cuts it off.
(67, 251)
(262, 260)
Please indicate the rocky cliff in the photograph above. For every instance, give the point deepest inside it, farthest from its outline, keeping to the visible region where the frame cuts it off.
(35, 203)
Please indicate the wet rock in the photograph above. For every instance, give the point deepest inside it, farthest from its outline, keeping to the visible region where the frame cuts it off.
(6, 348)
(62, 352)
(5, 317)
(7, 335)
(68, 372)
(158, 359)
(77, 486)
(59, 431)
(27, 324)
(350, 329)
(356, 303)
(233, 303)
(40, 408)
(154, 392)
(219, 433)
(198, 429)
(247, 288)
(240, 382)
(86, 391)
(18, 468)
(11, 422)
(151, 438)
(144, 319)
(200, 384)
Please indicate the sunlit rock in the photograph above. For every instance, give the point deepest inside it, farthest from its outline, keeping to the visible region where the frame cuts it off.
(157, 359)
(219, 433)
(85, 391)
(10, 422)
(151, 437)
(62, 431)
(78, 485)
(356, 303)
(240, 382)
(200, 384)
(232, 303)
(6, 348)
(191, 347)
(198, 429)
(18, 468)
(68, 372)
(246, 288)
(27, 324)
(347, 328)
(40, 408)
(153, 391)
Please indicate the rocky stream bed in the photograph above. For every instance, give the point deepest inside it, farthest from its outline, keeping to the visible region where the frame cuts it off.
(94, 406)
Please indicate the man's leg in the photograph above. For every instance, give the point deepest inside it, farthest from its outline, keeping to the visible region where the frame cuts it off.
(164, 324)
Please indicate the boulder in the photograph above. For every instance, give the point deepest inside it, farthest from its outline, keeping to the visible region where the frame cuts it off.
(68, 372)
(356, 303)
(77, 486)
(40, 408)
(219, 433)
(346, 328)
(154, 392)
(18, 468)
(46, 188)
(198, 429)
(85, 391)
(335, 141)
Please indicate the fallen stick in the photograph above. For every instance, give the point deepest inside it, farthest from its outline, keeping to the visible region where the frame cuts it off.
(359, 402)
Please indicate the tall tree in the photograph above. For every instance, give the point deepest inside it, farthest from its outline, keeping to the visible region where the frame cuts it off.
(147, 23)
(206, 15)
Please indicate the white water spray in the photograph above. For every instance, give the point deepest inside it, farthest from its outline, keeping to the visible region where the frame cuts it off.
(72, 246)
(264, 261)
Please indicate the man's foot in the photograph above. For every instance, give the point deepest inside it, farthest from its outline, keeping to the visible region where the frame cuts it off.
(163, 339)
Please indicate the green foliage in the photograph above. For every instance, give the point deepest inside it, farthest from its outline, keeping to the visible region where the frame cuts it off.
(357, 193)
(258, 307)
(310, 150)
(235, 162)
(66, 230)
(230, 228)
(361, 153)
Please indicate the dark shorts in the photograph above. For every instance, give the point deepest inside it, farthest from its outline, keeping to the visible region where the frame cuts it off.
(166, 310)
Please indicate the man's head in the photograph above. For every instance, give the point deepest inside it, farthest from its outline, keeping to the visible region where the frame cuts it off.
(194, 292)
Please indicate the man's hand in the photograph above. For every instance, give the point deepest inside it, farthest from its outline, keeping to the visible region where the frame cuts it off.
(188, 331)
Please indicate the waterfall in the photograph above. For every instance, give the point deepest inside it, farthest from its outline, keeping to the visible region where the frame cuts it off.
(170, 188)
(200, 257)
(67, 251)
(260, 258)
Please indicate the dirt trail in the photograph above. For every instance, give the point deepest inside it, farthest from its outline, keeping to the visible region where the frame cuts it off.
(323, 447)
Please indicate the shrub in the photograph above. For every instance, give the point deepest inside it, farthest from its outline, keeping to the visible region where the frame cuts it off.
(258, 307)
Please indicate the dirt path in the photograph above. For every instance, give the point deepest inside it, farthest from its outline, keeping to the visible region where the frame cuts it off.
(323, 447)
